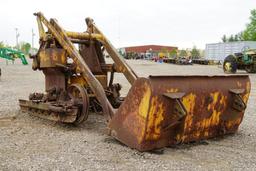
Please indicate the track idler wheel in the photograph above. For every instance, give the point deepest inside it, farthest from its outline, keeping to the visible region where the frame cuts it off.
(80, 97)
(230, 64)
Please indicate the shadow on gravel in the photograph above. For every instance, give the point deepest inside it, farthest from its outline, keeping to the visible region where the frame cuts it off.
(113, 141)
(94, 123)
(190, 145)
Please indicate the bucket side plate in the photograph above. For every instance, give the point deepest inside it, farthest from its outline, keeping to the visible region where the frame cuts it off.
(166, 110)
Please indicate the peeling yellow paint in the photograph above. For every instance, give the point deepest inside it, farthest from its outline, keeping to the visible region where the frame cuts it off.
(196, 134)
(178, 137)
(206, 133)
(137, 127)
(189, 103)
(239, 84)
(230, 124)
(144, 104)
(215, 118)
(223, 100)
(155, 117)
(203, 125)
(173, 90)
(248, 88)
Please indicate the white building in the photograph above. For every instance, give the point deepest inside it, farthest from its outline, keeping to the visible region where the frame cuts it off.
(218, 51)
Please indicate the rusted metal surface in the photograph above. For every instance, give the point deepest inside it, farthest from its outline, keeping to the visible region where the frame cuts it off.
(52, 56)
(88, 69)
(89, 54)
(158, 111)
(80, 96)
(54, 78)
(49, 111)
(167, 110)
(58, 105)
(121, 65)
(66, 44)
(85, 63)
(85, 36)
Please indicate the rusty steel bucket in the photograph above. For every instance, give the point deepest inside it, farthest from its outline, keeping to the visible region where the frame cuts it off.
(166, 110)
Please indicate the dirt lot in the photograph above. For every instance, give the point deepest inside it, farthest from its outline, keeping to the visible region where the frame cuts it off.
(30, 143)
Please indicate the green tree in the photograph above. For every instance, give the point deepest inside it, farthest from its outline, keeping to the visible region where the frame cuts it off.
(173, 53)
(240, 36)
(164, 51)
(231, 38)
(236, 38)
(25, 47)
(250, 32)
(195, 53)
(183, 53)
(224, 38)
(2, 44)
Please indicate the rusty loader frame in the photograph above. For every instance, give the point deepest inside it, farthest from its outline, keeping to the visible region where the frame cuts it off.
(158, 111)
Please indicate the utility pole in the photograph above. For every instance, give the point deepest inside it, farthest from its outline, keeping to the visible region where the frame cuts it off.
(118, 31)
(17, 37)
(33, 35)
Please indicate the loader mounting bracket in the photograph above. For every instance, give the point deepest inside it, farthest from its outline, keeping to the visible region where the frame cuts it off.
(238, 102)
(179, 109)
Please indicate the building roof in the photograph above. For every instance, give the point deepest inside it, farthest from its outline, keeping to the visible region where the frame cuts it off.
(145, 48)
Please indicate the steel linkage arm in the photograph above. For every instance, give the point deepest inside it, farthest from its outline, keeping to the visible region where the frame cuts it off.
(121, 65)
(41, 31)
(85, 36)
(60, 35)
(93, 33)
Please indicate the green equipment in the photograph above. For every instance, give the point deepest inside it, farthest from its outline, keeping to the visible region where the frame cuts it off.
(245, 60)
(12, 54)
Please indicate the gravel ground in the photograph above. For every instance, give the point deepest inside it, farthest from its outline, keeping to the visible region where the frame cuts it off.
(30, 143)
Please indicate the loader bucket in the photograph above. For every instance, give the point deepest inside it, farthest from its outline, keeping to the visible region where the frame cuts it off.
(166, 110)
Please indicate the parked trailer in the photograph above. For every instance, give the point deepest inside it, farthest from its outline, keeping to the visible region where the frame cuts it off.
(170, 60)
(203, 61)
(178, 61)
(219, 51)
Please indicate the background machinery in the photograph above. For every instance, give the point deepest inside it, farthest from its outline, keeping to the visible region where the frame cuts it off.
(158, 111)
(12, 54)
(246, 60)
